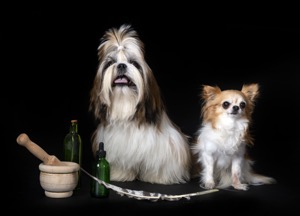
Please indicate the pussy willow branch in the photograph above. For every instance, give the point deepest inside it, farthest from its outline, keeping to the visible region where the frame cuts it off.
(144, 195)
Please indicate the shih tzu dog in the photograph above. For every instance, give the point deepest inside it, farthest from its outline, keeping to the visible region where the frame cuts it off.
(223, 138)
(141, 142)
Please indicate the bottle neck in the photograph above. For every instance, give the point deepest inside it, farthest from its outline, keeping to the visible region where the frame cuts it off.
(101, 157)
(74, 127)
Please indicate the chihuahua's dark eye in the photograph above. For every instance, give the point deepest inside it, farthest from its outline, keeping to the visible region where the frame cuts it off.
(242, 105)
(225, 104)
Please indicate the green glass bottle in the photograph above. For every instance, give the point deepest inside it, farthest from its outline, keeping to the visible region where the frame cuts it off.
(101, 170)
(73, 147)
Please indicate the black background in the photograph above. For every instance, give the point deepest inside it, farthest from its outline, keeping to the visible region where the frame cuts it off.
(50, 60)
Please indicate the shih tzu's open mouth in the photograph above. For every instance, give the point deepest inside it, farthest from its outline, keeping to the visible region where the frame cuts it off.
(123, 81)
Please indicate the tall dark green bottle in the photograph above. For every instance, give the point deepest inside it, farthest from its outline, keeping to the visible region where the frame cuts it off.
(101, 170)
(73, 147)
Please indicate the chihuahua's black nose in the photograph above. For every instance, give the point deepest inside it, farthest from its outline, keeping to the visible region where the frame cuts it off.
(121, 68)
(235, 108)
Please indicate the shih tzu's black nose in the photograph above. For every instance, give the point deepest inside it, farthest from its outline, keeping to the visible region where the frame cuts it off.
(121, 68)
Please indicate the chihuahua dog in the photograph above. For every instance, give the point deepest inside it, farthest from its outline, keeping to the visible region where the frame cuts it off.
(222, 140)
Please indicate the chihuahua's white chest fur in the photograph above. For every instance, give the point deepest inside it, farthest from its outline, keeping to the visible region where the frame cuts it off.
(226, 138)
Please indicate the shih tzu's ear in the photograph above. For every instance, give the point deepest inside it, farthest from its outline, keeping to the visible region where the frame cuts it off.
(153, 105)
(209, 92)
(96, 105)
(251, 91)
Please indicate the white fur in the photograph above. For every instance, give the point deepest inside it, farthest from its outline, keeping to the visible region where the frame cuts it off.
(221, 146)
(145, 153)
(140, 140)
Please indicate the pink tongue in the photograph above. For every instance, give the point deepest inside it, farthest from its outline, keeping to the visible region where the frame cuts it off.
(121, 80)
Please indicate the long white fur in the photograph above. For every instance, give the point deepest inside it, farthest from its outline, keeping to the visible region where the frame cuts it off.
(222, 140)
(140, 140)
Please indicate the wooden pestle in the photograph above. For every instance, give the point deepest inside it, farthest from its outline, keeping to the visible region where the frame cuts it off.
(37, 151)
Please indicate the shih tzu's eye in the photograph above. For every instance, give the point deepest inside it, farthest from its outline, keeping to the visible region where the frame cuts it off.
(242, 105)
(225, 104)
(107, 64)
(135, 64)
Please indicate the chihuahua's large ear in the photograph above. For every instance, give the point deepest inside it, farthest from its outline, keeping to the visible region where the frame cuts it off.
(209, 92)
(251, 91)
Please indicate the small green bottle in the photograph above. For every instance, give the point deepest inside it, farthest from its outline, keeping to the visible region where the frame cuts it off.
(101, 170)
(73, 147)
